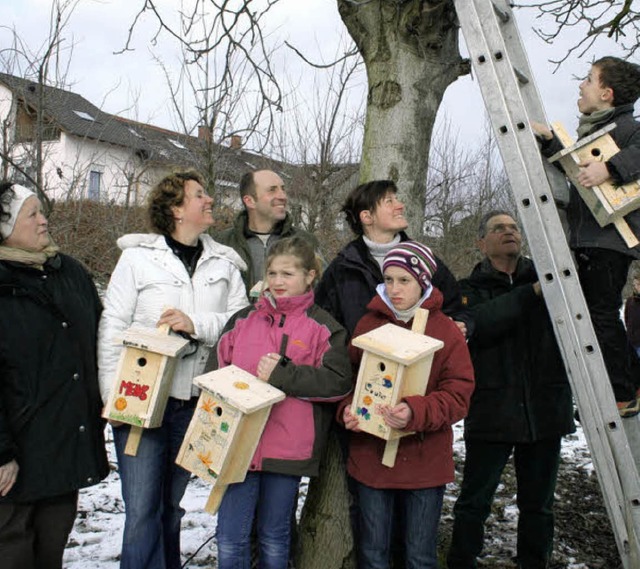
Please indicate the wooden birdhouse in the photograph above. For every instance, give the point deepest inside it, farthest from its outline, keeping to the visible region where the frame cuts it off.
(396, 363)
(608, 203)
(143, 380)
(225, 429)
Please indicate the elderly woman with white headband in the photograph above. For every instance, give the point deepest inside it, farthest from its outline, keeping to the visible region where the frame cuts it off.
(51, 433)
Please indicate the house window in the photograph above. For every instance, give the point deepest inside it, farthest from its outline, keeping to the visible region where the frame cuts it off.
(177, 144)
(95, 178)
(85, 116)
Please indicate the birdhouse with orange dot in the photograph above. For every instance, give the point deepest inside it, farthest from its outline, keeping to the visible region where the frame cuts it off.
(226, 427)
(608, 202)
(143, 380)
(396, 363)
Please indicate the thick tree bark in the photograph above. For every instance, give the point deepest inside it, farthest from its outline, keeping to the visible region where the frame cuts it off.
(410, 49)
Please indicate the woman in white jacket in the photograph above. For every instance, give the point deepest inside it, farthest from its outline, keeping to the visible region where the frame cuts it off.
(177, 266)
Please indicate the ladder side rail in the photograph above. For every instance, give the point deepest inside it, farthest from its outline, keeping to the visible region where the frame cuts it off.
(530, 93)
(546, 262)
(560, 254)
(602, 450)
(507, 148)
(531, 216)
(530, 160)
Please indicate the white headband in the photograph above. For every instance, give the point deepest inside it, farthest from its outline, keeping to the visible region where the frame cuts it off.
(20, 194)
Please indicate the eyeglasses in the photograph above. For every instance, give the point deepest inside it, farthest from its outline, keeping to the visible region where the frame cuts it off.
(503, 228)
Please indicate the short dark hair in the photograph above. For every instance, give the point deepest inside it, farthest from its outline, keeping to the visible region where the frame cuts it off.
(484, 220)
(247, 185)
(365, 197)
(168, 193)
(622, 77)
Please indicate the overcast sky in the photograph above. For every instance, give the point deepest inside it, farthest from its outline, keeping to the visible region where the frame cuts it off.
(132, 84)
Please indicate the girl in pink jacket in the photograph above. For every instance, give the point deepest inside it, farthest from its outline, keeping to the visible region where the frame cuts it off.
(299, 348)
(424, 463)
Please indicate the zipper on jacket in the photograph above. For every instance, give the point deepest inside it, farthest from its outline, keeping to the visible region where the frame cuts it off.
(281, 323)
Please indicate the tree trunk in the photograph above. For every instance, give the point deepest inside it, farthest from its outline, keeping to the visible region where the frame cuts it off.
(324, 535)
(410, 50)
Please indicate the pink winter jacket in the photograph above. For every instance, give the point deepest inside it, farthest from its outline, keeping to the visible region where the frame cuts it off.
(314, 371)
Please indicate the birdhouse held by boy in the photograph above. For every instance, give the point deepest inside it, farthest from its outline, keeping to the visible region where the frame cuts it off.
(607, 202)
(396, 363)
(143, 380)
(226, 427)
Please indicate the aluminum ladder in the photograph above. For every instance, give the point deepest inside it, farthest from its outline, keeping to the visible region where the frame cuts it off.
(512, 100)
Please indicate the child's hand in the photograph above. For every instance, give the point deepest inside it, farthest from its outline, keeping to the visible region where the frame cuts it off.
(266, 365)
(593, 173)
(541, 130)
(350, 420)
(397, 417)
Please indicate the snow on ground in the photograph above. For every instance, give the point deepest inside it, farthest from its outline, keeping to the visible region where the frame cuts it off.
(96, 538)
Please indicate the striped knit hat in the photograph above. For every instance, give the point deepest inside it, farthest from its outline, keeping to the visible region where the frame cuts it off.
(414, 258)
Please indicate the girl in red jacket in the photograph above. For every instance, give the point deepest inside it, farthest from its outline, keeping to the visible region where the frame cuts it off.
(424, 463)
(299, 348)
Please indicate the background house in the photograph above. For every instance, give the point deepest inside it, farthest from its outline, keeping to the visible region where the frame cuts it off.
(86, 153)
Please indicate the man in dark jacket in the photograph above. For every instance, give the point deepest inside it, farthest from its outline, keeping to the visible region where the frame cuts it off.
(263, 221)
(607, 96)
(376, 216)
(521, 403)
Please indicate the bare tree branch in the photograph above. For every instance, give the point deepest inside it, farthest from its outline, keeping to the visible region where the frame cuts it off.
(225, 34)
(347, 55)
(594, 19)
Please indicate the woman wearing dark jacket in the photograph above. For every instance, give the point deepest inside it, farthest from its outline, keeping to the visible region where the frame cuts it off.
(51, 433)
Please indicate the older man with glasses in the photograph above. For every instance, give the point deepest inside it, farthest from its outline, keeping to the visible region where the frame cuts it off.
(521, 404)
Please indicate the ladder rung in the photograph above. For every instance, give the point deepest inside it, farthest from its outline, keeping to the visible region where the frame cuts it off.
(522, 78)
(502, 14)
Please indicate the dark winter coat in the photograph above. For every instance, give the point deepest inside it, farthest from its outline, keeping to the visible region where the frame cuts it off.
(315, 372)
(632, 319)
(624, 167)
(425, 459)
(240, 238)
(350, 282)
(49, 397)
(522, 393)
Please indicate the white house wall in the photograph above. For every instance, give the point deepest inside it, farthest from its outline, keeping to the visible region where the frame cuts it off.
(77, 157)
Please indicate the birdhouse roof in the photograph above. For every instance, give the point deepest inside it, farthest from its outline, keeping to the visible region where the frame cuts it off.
(398, 344)
(239, 388)
(153, 340)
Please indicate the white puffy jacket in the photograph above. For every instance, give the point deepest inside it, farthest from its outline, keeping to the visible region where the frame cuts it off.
(149, 277)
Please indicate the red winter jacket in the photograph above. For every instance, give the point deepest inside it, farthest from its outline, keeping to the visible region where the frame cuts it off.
(425, 459)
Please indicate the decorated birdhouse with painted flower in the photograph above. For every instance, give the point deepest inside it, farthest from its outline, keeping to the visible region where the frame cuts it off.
(396, 363)
(226, 427)
(143, 380)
